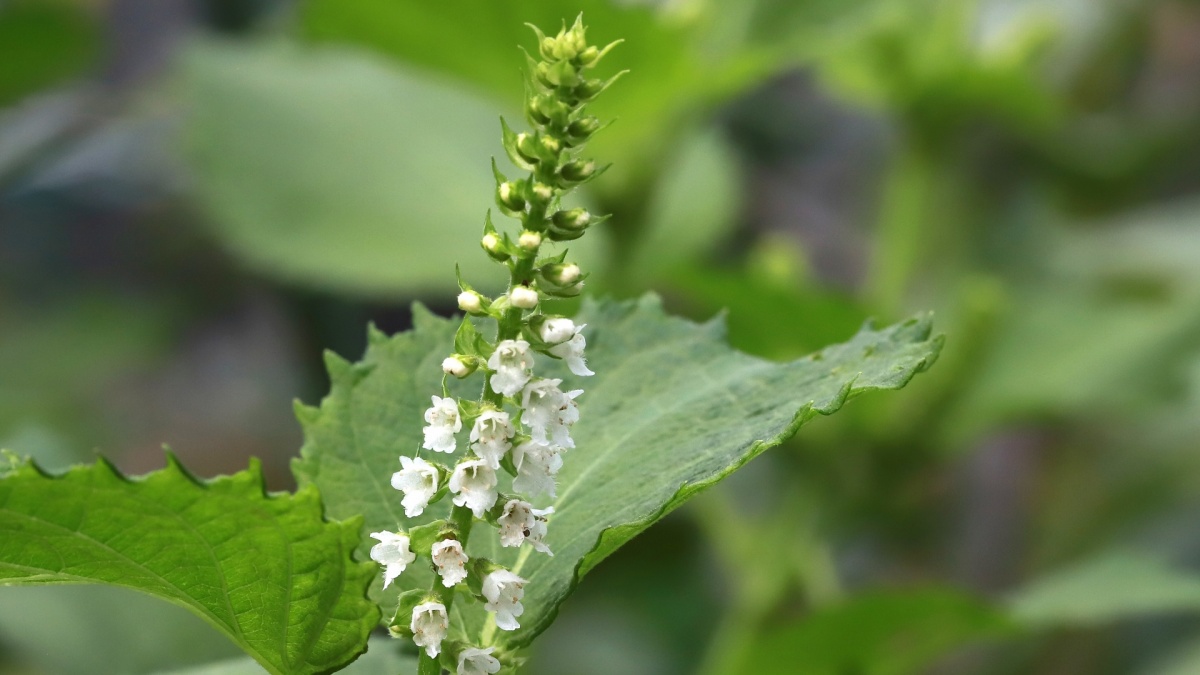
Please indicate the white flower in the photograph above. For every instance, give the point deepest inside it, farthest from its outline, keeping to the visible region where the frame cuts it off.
(559, 330)
(523, 297)
(571, 351)
(537, 465)
(429, 623)
(450, 560)
(520, 522)
(444, 422)
(393, 553)
(549, 412)
(474, 485)
(504, 591)
(511, 363)
(454, 366)
(474, 661)
(489, 436)
(418, 480)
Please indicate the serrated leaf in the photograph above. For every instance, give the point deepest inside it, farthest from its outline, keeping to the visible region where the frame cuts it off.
(672, 410)
(266, 570)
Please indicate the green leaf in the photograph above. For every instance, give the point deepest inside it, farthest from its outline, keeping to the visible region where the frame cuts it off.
(104, 630)
(877, 633)
(1110, 587)
(672, 410)
(382, 658)
(43, 43)
(265, 570)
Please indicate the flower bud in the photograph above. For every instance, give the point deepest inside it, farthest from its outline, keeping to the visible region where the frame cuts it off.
(589, 55)
(574, 220)
(471, 303)
(576, 170)
(542, 192)
(458, 366)
(529, 240)
(543, 74)
(554, 331)
(508, 194)
(560, 280)
(583, 128)
(494, 248)
(527, 148)
(550, 145)
(523, 297)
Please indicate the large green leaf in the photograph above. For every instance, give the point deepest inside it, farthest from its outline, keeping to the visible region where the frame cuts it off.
(266, 570)
(672, 410)
(892, 632)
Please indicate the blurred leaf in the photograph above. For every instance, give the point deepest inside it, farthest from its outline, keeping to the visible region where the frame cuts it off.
(701, 411)
(267, 571)
(334, 171)
(100, 630)
(694, 205)
(1184, 661)
(477, 40)
(1155, 245)
(1107, 588)
(877, 633)
(60, 359)
(1078, 350)
(382, 658)
(43, 43)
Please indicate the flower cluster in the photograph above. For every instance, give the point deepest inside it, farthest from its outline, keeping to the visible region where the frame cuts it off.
(521, 424)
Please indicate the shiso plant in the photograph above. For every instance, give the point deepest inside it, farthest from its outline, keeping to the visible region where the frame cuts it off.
(459, 481)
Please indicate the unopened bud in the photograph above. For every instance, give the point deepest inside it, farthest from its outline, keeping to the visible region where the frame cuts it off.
(529, 240)
(492, 245)
(576, 170)
(551, 145)
(527, 148)
(542, 192)
(523, 297)
(456, 366)
(583, 128)
(471, 302)
(508, 195)
(575, 219)
(560, 280)
(589, 55)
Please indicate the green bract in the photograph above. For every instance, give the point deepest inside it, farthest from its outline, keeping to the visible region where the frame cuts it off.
(673, 410)
(266, 570)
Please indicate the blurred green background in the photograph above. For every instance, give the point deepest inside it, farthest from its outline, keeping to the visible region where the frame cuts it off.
(199, 196)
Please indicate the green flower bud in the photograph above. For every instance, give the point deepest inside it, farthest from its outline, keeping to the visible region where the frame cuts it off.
(529, 240)
(494, 247)
(541, 192)
(588, 56)
(508, 195)
(576, 170)
(583, 128)
(563, 280)
(574, 220)
(527, 146)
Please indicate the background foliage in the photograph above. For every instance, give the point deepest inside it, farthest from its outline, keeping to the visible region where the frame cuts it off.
(197, 196)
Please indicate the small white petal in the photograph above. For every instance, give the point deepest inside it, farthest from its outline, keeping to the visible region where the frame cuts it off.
(503, 591)
(429, 624)
(512, 366)
(537, 466)
(418, 480)
(474, 486)
(474, 661)
(393, 553)
(443, 422)
(450, 560)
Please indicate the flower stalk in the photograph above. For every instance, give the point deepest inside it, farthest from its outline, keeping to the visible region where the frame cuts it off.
(521, 422)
